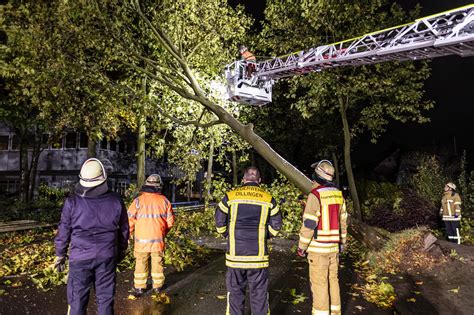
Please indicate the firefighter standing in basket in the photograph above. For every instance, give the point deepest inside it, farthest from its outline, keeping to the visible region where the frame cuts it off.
(451, 212)
(322, 237)
(248, 216)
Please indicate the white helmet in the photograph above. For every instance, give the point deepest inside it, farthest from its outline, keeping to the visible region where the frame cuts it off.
(92, 173)
(324, 171)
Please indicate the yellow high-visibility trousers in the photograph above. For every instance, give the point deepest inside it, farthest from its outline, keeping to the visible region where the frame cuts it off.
(323, 268)
(141, 269)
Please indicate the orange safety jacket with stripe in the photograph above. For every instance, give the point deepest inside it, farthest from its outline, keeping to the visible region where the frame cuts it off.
(248, 56)
(150, 216)
(324, 221)
(451, 206)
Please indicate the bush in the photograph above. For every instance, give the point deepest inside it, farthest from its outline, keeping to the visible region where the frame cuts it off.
(430, 179)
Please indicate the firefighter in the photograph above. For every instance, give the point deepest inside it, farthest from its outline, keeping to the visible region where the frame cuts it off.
(322, 238)
(451, 212)
(151, 217)
(94, 223)
(248, 216)
(250, 60)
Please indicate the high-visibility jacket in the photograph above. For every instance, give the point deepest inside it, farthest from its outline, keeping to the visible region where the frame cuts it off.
(248, 56)
(324, 221)
(248, 215)
(150, 216)
(451, 206)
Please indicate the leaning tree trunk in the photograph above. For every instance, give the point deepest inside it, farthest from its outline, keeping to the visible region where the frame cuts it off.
(210, 163)
(24, 178)
(235, 180)
(34, 165)
(91, 147)
(347, 160)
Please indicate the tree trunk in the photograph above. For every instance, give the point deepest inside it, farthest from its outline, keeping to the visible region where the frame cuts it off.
(235, 180)
(91, 147)
(24, 178)
(141, 156)
(336, 167)
(210, 162)
(34, 165)
(347, 160)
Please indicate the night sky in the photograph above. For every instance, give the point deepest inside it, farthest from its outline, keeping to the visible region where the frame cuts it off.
(450, 86)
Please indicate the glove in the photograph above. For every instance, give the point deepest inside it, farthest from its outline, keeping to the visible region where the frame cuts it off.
(456, 216)
(341, 248)
(300, 252)
(60, 263)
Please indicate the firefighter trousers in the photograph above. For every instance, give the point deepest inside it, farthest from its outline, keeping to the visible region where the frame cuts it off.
(323, 269)
(84, 274)
(237, 280)
(453, 229)
(140, 275)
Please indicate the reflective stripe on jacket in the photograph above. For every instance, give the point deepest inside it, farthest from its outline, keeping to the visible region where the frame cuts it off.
(451, 206)
(248, 56)
(249, 216)
(150, 216)
(324, 221)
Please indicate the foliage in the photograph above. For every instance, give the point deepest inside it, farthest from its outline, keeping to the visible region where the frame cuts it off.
(52, 194)
(430, 179)
(377, 194)
(380, 293)
(466, 187)
(290, 200)
(467, 231)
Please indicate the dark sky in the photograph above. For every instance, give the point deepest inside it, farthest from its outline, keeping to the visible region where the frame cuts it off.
(451, 85)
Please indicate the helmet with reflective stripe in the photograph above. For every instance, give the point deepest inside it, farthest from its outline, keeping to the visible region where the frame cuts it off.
(92, 173)
(451, 185)
(323, 172)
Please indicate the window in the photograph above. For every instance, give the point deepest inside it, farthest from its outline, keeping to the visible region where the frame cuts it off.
(103, 144)
(121, 146)
(83, 140)
(113, 145)
(4, 142)
(71, 140)
(15, 142)
(56, 143)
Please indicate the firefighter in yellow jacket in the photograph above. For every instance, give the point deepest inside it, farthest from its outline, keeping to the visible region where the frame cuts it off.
(150, 216)
(451, 212)
(322, 237)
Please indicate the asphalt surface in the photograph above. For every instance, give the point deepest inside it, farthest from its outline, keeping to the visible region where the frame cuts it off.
(200, 290)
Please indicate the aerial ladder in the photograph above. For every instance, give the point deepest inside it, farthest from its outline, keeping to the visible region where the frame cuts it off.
(442, 34)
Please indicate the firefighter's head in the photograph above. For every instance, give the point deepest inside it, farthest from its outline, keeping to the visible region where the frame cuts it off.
(450, 187)
(242, 49)
(92, 173)
(323, 172)
(252, 175)
(154, 180)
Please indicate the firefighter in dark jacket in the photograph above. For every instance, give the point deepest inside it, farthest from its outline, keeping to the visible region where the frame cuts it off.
(248, 216)
(322, 236)
(451, 212)
(94, 224)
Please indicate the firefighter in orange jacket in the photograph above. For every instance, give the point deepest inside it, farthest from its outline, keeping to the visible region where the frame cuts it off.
(150, 217)
(250, 60)
(322, 236)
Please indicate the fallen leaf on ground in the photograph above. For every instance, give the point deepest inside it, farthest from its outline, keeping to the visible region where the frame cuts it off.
(413, 300)
(416, 292)
(132, 297)
(455, 290)
(221, 297)
(360, 308)
(419, 282)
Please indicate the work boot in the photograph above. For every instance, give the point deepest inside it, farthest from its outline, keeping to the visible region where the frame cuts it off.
(137, 292)
(157, 291)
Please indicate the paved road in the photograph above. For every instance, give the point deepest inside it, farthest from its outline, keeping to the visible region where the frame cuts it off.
(202, 290)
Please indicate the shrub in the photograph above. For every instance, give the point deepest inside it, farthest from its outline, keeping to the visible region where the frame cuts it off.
(430, 179)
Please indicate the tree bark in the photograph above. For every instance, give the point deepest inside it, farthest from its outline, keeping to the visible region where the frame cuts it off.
(24, 178)
(35, 154)
(235, 180)
(336, 167)
(210, 163)
(141, 156)
(347, 159)
(91, 147)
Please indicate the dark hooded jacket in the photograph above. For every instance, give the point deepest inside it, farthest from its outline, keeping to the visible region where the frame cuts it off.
(94, 223)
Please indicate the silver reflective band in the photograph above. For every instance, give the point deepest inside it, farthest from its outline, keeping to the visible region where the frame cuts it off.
(158, 240)
(149, 216)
